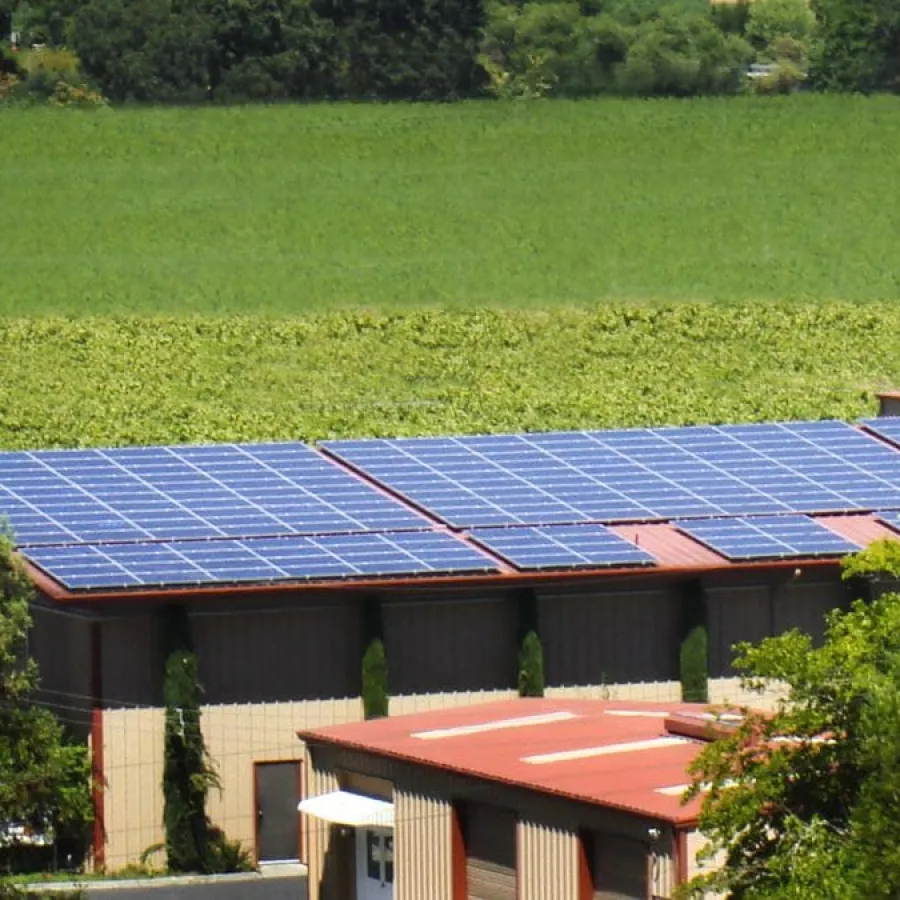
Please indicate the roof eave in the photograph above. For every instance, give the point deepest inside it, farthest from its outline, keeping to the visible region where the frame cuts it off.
(57, 592)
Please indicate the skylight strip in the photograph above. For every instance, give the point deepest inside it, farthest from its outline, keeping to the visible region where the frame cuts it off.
(604, 750)
(496, 725)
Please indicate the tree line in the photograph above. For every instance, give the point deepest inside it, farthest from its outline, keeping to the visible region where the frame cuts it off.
(175, 51)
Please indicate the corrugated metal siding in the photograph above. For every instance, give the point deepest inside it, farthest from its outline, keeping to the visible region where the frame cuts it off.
(422, 845)
(132, 661)
(309, 653)
(412, 703)
(662, 867)
(695, 843)
(548, 862)
(450, 645)
(133, 766)
(740, 613)
(61, 646)
(236, 736)
(320, 780)
(609, 638)
(804, 606)
(239, 734)
(650, 691)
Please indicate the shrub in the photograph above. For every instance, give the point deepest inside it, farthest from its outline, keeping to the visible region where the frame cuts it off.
(770, 20)
(375, 680)
(531, 666)
(693, 652)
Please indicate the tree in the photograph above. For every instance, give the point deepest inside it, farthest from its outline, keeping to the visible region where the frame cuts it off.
(804, 803)
(860, 46)
(187, 771)
(45, 778)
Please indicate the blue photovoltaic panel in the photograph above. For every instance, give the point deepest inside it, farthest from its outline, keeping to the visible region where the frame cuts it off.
(635, 474)
(174, 493)
(768, 537)
(886, 426)
(891, 517)
(562, 546)
(258, 560)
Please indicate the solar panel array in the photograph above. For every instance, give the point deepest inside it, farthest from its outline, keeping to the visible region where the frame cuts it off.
(258, 560)
(768, 537)
(635, 475)
(256, 513)
(173, 493)
(562, 547)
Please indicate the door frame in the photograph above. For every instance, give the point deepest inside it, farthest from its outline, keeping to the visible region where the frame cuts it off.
(274, 762)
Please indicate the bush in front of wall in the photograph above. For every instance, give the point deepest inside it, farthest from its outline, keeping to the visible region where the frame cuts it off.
(531, 666)
(694, 648)
(375, 680)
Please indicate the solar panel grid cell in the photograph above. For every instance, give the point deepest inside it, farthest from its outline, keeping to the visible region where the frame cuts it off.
(767, 537)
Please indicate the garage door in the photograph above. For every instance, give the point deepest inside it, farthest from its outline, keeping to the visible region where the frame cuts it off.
(490, 839)
(619, 868)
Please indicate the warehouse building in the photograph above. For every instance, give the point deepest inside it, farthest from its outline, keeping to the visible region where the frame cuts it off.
(520, 800)
(614, 546)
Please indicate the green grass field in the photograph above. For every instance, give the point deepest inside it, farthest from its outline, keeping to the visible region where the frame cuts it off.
(290, 210)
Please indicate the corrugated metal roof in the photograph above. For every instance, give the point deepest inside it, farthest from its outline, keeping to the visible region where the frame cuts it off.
(495, 741)
(861, 529)
(670, 547)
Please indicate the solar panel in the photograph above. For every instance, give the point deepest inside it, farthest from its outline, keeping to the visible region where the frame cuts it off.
(635, 474)
(890, 517)
(258, 560)
(174, 493)
(886, 426)
(562, 546)
(768, 537)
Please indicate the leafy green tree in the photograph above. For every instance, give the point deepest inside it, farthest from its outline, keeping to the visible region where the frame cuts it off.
(860, 45)
(804, 803)
(188, 774)
(681, 55)
(45, 779)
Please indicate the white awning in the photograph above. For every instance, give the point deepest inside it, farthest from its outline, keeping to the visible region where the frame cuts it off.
(346, 808)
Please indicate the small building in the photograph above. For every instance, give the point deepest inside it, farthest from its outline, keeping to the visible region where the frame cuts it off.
(529, 799)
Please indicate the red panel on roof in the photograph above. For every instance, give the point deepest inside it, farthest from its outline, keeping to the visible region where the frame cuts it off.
(861, 530)
(672, 548)
(628, 779)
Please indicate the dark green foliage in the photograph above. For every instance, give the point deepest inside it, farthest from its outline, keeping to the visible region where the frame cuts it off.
(859, 47)
(187, 772)
(643, 47)
(731, 18)
(375, 680)
(45, 780)
(693, 650)
(531, 666)
(530, 673)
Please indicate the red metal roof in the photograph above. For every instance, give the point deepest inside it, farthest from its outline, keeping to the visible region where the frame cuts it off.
(671, 547)
(630, 779)
(860, 529)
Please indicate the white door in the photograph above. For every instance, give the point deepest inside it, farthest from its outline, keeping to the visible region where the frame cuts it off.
(374, 864)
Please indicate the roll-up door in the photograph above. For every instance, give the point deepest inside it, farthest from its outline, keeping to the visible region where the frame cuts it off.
(490, 839)
(619, 868)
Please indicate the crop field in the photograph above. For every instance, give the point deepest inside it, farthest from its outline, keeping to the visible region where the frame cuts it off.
(101, 382)
(292, 210)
